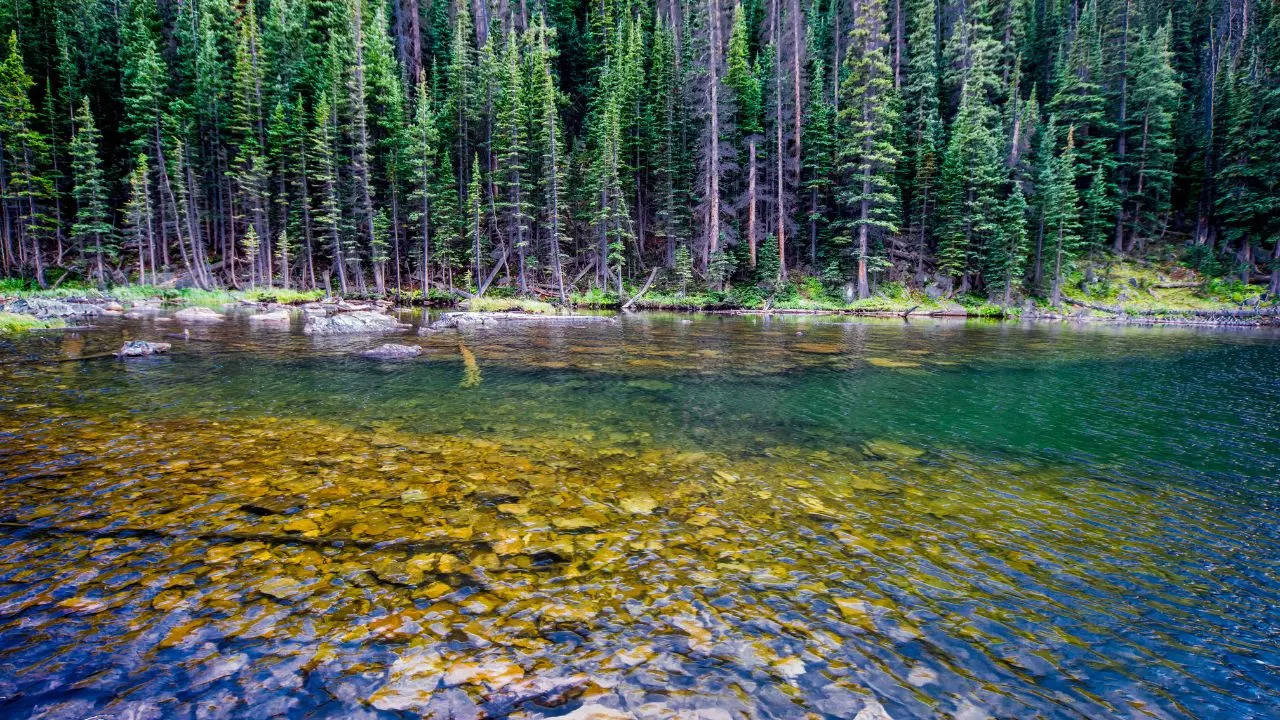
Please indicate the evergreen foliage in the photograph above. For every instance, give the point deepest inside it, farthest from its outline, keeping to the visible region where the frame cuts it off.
(334, 143)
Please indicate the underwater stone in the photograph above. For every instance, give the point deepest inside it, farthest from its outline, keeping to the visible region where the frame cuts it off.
(141, 348)
(392, 351)
(873, 710)
(595, 711)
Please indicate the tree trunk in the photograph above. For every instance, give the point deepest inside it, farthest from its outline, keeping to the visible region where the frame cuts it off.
(713, 170)
(751, 200)
(1122, 132)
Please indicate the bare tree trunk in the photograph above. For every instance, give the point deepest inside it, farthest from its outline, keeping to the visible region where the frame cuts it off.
(713, 170)
(361, 155)
(777, 94)
(1122, 132)
(751, 200)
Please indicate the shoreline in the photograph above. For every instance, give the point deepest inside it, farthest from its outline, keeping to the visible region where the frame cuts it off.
(117, 304)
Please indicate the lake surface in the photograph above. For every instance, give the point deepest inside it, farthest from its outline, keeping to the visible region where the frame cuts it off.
(676, 517)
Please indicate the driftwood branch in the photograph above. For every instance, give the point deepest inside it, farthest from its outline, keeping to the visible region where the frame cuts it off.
(652, 275)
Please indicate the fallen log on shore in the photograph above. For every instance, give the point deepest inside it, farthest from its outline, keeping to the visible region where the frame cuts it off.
(1273, 311)
(458, 320)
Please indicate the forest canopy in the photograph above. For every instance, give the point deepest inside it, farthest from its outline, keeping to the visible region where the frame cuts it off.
(364, 145)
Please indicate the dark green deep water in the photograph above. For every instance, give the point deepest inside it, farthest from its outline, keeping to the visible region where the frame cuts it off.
(673, 517)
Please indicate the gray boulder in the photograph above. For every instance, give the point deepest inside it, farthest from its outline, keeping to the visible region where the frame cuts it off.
(47, 309)
(273, 317)
(142, 348)
(362, 321)
(197, 315)
(392, 351)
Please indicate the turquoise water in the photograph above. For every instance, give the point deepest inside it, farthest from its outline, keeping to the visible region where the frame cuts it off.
(774, 518)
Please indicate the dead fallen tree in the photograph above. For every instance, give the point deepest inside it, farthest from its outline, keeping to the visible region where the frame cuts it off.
(459, 320)
(1267, 312)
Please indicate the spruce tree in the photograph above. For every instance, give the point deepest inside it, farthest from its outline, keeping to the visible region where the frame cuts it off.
(23, 145)
(968, 192)
(138, 217)
(1005, 256)
(510, 149)
(92, 229)
(867, 156)
(421, 159)
(1062, 214)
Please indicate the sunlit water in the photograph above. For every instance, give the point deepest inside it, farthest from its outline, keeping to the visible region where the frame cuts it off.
(674, 517)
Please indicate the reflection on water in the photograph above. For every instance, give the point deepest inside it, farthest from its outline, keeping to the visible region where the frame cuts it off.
(675, 517)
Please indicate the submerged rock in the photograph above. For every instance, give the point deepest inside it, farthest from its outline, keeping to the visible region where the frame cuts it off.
(141, 348)
(392, 351)
(45, 309)
(411, 682)
(872, 711)
(361, 321)
(547, 691)
(197, 315)
(595, 711)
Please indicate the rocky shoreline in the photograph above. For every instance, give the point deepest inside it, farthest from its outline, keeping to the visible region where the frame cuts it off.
(336, 316)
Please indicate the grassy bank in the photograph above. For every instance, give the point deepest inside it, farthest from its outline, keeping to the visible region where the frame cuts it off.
(806, 297)
(15, 323)
(11, 288)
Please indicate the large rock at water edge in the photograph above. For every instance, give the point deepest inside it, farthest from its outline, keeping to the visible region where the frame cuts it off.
(279, 317)
(47, 309)
(363, 321)
(392, 351)
(142, 348)
(197, 315)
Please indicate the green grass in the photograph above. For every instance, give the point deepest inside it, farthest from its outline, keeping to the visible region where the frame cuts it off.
(140, 293)
(16, 323)
(1134, 285)
(498, 304)
(284, 296)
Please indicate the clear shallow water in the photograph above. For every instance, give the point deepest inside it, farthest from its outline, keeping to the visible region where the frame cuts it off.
(675, 516)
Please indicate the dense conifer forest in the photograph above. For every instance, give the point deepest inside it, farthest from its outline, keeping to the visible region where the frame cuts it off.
(365, 146)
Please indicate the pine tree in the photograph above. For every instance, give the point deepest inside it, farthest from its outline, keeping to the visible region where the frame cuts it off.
(545, 117)
(742, 77)
(925, 124)
(867, 157)
(92, 228)
(325, 179)
(23, 146)
(1154, 100)
(510, 149)
(423, 144)
(819, 156)
(357, 129)
(969, 182)
(1006, 254)
(138, 218)
(1062, 214)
